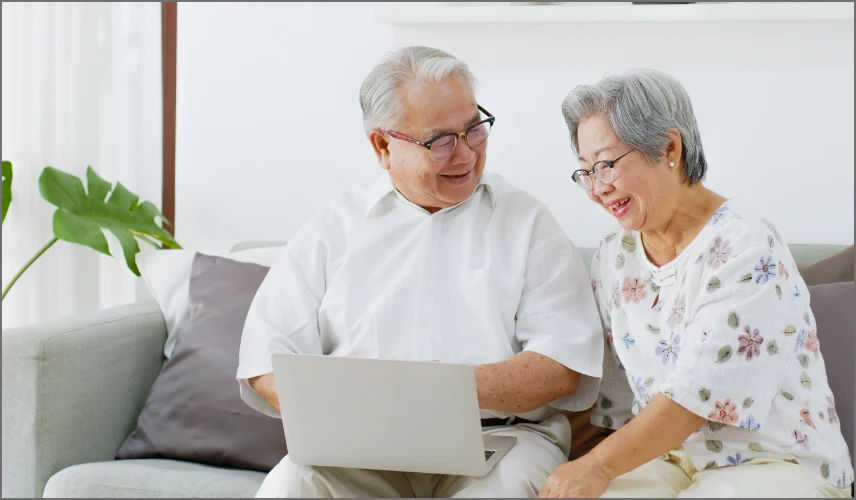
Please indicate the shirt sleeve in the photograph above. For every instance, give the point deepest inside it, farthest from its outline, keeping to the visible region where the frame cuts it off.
(282, 318)
(739, 336)
(556, 316)
(614, 404)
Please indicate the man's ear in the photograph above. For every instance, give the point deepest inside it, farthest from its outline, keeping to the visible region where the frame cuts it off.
(380, 145)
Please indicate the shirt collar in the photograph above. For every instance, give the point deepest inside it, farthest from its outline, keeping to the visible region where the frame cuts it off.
(383, 187)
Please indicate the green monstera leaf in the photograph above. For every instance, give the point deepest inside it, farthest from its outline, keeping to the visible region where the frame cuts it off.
(7, 187)
(81, 215)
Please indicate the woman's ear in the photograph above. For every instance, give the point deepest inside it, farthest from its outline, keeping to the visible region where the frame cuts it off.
(380, 145)
(674, 149)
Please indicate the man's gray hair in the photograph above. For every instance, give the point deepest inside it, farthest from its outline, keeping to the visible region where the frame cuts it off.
(380, 99)
(641, 105)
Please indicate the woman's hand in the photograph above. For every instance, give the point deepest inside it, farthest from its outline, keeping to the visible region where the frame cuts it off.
(582, 478)
(658, 429)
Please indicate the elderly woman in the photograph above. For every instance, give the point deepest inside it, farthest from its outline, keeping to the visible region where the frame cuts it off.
(713, 375)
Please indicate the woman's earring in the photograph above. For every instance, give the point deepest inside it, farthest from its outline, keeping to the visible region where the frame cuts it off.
(672, 164)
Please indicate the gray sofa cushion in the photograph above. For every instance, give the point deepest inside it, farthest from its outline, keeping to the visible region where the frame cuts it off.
(835, 268)
(587, 254)
(194, 410)
(72, 389)
(813, 252)
(154, 478)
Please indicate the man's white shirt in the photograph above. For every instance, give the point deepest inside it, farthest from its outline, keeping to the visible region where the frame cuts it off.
(372, 275)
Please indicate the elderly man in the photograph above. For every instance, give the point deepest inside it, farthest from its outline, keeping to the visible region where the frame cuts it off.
(437, 260)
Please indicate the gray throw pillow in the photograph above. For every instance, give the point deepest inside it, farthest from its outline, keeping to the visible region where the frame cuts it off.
(832, 305)
(194, 411)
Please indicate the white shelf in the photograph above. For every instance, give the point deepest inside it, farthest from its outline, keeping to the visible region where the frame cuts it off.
(615, 13)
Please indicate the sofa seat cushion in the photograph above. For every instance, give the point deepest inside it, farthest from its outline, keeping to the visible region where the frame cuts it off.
(152, 478)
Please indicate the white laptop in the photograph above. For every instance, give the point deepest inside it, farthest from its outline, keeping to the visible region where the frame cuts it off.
(384, 415)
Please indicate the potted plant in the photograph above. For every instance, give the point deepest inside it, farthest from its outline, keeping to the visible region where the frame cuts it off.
(83, 214)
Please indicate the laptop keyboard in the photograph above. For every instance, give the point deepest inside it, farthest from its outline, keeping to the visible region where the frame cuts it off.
(488, 454)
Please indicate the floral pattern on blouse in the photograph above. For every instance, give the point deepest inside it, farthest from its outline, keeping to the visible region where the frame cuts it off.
(726, 331)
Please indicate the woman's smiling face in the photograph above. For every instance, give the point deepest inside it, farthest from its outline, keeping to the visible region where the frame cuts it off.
(637, 186)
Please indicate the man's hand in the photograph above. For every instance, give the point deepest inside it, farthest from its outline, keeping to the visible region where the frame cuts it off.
(583, 478)
(523, 382)
(265, 386)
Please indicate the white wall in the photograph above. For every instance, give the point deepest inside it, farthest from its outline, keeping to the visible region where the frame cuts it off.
(269, 125)
(267, 106)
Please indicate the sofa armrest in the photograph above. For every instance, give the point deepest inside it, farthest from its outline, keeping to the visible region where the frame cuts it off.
(73, 389)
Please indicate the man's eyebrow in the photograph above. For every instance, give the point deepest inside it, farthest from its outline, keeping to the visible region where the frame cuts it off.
(432, 133)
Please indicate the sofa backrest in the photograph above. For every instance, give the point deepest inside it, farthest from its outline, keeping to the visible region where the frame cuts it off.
(801, 252)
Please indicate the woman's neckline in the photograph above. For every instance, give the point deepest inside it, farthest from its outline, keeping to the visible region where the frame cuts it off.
(683, 253)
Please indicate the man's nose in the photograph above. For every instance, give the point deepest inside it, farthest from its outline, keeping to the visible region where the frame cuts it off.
(463, 153)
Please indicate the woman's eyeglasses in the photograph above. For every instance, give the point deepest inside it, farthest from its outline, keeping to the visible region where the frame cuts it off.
(604, 170)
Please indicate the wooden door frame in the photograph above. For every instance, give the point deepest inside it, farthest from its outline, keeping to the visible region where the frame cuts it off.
(169, 42)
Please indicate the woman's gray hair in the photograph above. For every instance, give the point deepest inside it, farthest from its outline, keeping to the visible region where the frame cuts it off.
(379, 93)
(641, 106)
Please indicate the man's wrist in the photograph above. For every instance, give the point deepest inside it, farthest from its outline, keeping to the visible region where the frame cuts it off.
(481, 382)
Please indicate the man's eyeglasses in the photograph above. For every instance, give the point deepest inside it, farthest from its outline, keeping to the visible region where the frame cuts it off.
(604, 170)
(442, 147)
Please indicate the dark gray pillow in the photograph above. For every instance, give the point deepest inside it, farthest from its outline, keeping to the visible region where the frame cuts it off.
(194, 411)
(832, 305)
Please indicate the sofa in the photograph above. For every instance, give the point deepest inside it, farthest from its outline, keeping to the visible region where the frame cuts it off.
(73, 389)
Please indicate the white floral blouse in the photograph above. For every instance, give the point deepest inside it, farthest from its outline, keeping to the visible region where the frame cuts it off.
(726, 331)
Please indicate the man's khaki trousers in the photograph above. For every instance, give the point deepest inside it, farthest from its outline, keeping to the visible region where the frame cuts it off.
(520, 474)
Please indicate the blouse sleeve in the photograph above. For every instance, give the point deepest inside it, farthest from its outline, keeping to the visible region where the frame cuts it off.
(739, 335)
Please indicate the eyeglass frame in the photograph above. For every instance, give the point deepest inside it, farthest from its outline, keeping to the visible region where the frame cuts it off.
(596, 170)
(457, 135)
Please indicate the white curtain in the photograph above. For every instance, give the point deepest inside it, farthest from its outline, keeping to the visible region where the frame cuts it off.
(81, 86)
